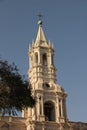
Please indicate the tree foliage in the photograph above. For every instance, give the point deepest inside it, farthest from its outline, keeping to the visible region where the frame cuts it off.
(15, 92)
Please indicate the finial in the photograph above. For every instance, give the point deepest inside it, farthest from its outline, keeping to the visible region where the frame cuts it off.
(32, 43)
(40, 21)
(52, 45)
(49, 43)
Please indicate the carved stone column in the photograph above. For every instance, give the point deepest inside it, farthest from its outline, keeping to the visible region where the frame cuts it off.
(39, 57)
(42, 105)
(38, 107)
(65, 108)
(61, 108)
(57, 108)
(29, 112)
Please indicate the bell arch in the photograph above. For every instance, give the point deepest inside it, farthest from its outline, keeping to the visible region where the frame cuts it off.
(49, 111)
(44, 59)
(36, 58)
(52, 59)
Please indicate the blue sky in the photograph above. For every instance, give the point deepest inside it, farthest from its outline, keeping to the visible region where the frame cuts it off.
(65, 25)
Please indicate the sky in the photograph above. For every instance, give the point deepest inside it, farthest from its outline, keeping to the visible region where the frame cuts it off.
(65, 25)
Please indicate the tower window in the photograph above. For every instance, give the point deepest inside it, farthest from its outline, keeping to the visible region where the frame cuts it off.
(36, 57)
(52, 59)
(46, 85)
(49, 111)
(44, 59)
(60, 107)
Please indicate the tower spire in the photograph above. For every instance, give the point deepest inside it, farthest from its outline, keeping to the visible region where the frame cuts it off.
(40, 38)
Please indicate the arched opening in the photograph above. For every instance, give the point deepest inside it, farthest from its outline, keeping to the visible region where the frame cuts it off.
(52, 59)
(60, 108)
(49, 111)
(46, 85)
(36, 57)
(44, 58)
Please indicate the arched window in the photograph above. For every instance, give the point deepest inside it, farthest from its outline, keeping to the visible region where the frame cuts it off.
(60, 107)
(49, 111)
(36, 57)
(46, 85)
(44, 58)
(52, 59)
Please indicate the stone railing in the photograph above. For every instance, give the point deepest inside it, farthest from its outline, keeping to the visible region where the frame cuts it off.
(12, 119)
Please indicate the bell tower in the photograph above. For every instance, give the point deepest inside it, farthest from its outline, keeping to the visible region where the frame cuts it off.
(50, 97)
(41, 55)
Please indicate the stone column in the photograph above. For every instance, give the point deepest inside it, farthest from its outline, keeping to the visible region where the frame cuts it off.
(32, 112)
(29, 112)
(42, 105)
(39, 57)
(49, 59)
(65, 108)
(22, 113)
(61, 107)
(38, 106)
(57, 108)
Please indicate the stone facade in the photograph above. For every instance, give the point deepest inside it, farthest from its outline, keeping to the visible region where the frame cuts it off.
(16, 123)
(49, 112)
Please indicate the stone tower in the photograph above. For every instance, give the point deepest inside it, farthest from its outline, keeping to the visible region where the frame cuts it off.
(50, 97)
(49, 112)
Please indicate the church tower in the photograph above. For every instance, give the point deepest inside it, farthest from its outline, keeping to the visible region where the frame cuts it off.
(50, 97)
(49, 112)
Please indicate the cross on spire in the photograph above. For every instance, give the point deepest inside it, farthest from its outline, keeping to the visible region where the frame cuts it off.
(40, 16)
(40, 21)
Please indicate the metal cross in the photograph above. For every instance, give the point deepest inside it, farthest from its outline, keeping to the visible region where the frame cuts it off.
(40, 16)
